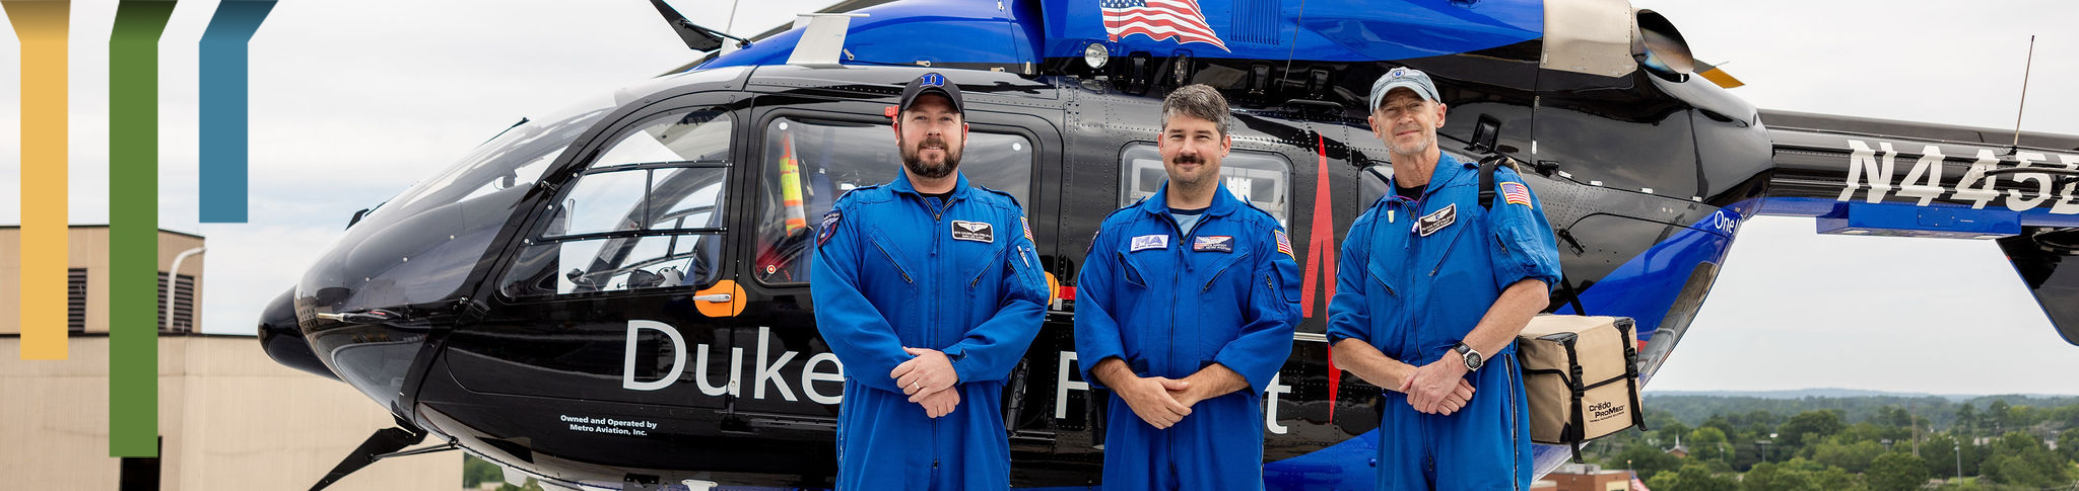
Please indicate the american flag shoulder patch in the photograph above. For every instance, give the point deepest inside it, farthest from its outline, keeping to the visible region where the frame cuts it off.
(1515, 193)
(1284, 243)
(1028, 228)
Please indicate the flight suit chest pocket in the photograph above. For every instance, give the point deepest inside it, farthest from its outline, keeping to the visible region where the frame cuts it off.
(1437, 232)
(1135, 267)
(1381, 274)
(978, 260)
(1385, 302)
(1444, 258)
(885, 258)
(1219, 268)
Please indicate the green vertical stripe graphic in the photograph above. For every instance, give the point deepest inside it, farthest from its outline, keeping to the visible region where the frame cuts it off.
(133, 217)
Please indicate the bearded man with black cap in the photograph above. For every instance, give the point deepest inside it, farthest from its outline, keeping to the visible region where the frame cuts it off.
(929, 291)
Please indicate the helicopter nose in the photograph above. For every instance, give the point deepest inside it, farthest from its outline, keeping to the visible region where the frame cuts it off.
(283, 339)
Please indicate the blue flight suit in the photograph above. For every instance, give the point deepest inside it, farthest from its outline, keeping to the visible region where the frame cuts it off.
(1170, 302)
(897, 269)
(1414, 296)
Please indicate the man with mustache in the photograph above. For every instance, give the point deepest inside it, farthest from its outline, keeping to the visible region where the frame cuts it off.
(1185, 310)
(1432, 286)
(929, 291)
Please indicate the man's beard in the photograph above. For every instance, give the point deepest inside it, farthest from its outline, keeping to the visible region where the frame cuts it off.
(912, 161)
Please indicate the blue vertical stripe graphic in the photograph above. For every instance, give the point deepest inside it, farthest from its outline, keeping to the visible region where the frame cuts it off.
(223, 108)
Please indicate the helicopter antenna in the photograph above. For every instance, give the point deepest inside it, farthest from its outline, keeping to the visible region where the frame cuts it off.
(731, 24)
(696, 37)
(1289, 51)
(2026, 68)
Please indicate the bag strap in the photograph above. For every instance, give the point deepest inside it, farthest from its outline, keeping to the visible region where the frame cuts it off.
(1487, 166)
(1573, 297)
(1487, 195)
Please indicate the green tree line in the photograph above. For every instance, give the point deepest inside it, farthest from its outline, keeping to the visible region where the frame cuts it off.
(1877, 443)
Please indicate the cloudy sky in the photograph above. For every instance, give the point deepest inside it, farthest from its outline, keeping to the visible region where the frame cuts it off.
(352, 101)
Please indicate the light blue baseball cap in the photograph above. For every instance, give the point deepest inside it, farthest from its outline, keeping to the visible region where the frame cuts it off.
(1404, 77)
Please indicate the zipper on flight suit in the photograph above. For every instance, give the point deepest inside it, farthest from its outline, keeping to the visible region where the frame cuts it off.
(1184, 236)
(891, 260)
(937, 238)
(1447, 254)
(1223, 269)
(1417, 222)
(992, 260)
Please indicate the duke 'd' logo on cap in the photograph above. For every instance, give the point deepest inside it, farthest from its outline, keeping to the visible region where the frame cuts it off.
(932, 80)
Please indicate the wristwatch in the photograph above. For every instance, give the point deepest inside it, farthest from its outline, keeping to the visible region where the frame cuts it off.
(1472, 357)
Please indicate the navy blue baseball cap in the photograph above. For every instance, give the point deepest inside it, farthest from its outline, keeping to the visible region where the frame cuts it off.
(930, 83)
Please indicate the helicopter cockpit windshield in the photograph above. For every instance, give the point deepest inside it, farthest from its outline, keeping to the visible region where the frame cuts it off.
(421, 245)
(645, 214)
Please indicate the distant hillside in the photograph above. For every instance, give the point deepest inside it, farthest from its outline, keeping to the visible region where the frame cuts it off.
(1694, 407)
(1803, 393)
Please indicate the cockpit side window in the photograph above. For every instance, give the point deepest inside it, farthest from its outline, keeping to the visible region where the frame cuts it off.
(809, 163)
(647, 213)
(1259, 178)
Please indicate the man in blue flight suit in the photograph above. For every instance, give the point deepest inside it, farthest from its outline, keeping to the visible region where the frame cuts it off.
(929, 292)
(1187, 301)
(1431, 290)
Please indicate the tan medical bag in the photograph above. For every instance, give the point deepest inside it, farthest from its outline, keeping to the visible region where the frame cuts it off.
(1581, 377)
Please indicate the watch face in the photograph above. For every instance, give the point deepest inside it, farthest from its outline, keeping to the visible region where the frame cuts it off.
(1472, 361)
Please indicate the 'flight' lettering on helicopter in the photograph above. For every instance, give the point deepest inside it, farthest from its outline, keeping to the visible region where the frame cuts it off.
(1871, 169)
(812, 372)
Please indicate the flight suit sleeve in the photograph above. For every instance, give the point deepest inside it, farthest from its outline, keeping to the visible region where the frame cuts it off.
(1097, 331)
(1273, 311)
(1523, 247)
(857, 332)
(1348, 314)
(989, 351)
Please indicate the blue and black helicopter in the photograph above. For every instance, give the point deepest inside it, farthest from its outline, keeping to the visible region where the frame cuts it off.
(616, 296)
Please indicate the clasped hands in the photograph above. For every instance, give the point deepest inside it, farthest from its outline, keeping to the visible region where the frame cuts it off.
(926, 378)
(1438, 388)
(1160, 401)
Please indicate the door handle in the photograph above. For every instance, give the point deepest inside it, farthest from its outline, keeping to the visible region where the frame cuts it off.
(714, 297)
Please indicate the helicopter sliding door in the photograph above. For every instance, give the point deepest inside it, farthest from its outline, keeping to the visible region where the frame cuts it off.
(810, 153)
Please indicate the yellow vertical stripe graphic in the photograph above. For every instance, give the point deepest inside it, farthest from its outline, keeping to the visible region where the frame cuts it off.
(42, 27)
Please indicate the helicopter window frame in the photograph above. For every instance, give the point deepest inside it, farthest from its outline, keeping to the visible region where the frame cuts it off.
(542, 239)
(980, 122)
(1141, 155)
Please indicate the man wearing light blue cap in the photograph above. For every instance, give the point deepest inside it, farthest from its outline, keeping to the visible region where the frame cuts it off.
(1431, 285)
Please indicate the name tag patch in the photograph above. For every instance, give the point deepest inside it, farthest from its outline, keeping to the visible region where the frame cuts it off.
(1431, 223)
(1146, 242)
(973, 231)
(1217, 243)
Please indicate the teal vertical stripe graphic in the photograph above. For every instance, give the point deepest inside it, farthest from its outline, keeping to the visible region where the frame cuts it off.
(223, 107)
(133, 218)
